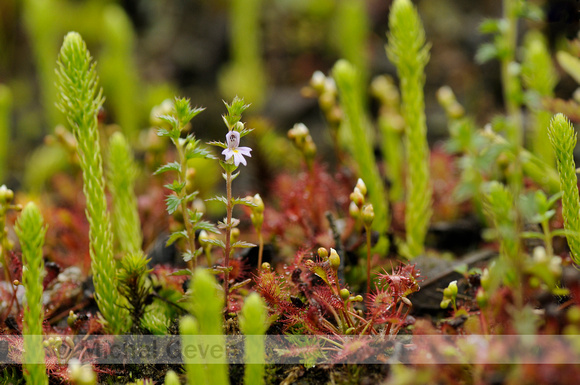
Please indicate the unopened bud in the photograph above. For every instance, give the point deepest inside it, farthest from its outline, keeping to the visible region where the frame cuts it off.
(481, 298)
(447, 293)
(259, 203)
(6, 195)
(234, 235)
(239, 126)
(353, 210)
(358, 298)
(357, 197)
(334, 259)
(203, 238)
(322, 253)
(309, 148)
(317, 81)
(344, 294)
(298, 132)
(266, 266)
(361, 186)
(453, 287)
(368, 215)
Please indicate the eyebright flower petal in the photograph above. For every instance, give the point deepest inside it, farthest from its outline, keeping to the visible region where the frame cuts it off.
(233, 141)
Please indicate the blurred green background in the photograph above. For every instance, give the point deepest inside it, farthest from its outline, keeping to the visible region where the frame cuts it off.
(209, 50)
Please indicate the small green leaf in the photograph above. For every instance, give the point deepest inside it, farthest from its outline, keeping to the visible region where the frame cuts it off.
(486, 52)
(175, 236)
(216, 242)
(242, 245)
(218, 144)
(243, 201)
(489, 26)
(219, 198)
(163, 132)
(173, 166)
(207, 226)
(199, 152)
(173, 202)
(176, 187)
(181, 272)
(171, 121)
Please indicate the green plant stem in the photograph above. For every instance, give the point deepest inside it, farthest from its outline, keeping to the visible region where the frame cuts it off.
(227, 249)
(192, 263)
(260, 248)
(368, 234)
(4, 248)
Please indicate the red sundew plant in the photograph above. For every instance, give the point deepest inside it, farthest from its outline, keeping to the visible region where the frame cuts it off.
(309, 298)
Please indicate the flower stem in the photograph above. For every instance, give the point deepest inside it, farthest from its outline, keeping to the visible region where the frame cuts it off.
(227, 250)
(192, 263)
(260, 249)
(368, 233)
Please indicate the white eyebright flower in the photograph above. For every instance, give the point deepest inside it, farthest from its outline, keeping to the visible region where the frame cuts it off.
(233, 141)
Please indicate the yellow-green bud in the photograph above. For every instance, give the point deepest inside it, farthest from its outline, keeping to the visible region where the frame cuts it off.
(257, 200)
(203, 238)
(309, 148)
(357, 197)
(317, 81)
(447, 293)
(69, 342)
(239, 126)
(6, 195)
(358, 298)
(361, 186)
(266, 266)
(344, 294)
(298, 133)
(334, 259)
(81, 374)
(481, 299)
(445, 303)
(234, 235)
(368, 215)
(353, 210)
(453, 287)
(322, 253)
(165, 108)
(171, 378)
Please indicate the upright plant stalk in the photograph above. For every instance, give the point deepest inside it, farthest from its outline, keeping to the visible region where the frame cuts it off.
(234, 156)
(510, 79)
(254, 324)
(117, 72)
(391, 127)
(5, 109)
(352, 36)
(80, 100)
(408, 51)
(563, 139)
(360, 142)
(121, 175)
(499, 206)
(540, 78)
(31, 231)
(181, 196)
(207, 308)
(6, 197)
(40, 20)
(245, 75)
